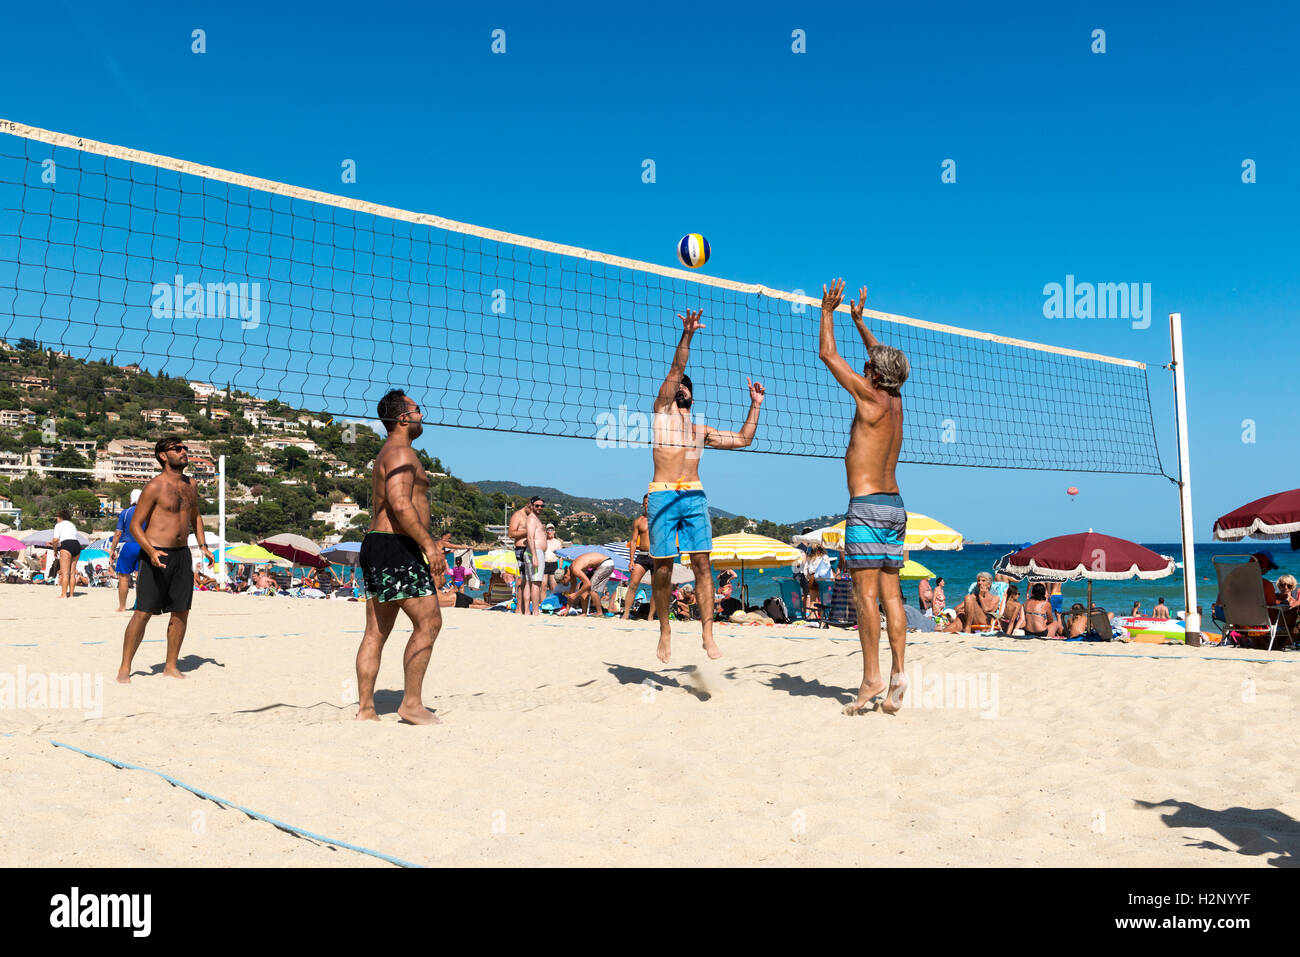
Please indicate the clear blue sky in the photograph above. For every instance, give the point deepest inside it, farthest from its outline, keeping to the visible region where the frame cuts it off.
(1117, 167)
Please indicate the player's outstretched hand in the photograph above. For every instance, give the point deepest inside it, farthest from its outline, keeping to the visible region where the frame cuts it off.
(832, 297)
(691, 321)
(756, 392)
(855, 308)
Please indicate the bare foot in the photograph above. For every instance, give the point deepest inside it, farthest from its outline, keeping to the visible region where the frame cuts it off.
(665, 649)
(124, 677)
(866, 696)
(121, 609)
(711, 649)
(420, 715)
(367, 714)
(893, 702)
(172, 673)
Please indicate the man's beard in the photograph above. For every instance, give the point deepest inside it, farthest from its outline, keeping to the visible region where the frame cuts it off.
(682, 401)
(415, 430)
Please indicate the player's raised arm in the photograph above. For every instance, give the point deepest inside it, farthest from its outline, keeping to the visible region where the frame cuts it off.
(855, 310)
(668, 391)
(720, 439)
(827, 351)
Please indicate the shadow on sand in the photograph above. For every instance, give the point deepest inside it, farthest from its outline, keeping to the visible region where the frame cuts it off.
(629, 675)
(188, 663)
(1250, 831)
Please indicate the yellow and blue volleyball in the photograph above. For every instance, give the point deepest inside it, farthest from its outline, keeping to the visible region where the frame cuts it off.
(693, 250)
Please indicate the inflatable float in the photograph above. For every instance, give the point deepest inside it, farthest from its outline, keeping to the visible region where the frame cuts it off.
(1153, 630)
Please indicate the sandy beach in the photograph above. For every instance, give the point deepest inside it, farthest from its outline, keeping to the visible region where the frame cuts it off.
(567, 743)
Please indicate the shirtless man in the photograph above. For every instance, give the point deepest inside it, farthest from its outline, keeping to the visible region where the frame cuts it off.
(399, 560)
(589, 573)
(529, 535)
(639, 560)
(978, 611)
(169, 506)
(876, 521)
(677, 511)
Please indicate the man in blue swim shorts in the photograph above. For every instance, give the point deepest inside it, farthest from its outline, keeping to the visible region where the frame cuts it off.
(876, 522)
(677, 510)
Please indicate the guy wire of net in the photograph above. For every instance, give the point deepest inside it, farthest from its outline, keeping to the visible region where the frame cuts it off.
(324, 302)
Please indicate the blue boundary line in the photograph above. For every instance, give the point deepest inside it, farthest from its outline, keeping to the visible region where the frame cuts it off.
(224, 803)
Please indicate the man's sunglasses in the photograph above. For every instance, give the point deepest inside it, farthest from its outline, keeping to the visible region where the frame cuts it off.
(176, 448)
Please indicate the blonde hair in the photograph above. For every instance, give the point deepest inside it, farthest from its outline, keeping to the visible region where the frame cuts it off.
(1287, 580)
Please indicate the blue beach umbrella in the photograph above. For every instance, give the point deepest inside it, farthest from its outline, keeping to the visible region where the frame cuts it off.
(344, 553)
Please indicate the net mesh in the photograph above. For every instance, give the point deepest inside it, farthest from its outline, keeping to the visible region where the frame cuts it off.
(324, 303)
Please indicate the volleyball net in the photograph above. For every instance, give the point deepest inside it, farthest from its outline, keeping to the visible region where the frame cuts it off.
(323, 302)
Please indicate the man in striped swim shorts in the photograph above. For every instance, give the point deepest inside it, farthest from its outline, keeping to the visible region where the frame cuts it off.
(876, 520)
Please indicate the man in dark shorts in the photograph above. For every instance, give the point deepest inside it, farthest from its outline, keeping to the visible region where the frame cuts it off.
(877, 521)
(399, 561)
(639, 560)
(169, 508)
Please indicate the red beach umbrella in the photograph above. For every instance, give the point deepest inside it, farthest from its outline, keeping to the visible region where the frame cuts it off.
(1090, 556)
(1273, 516)
(296, 548)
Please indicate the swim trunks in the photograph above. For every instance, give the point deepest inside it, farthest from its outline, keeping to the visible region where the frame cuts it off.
(394, 568)
(874, 530)
(645, 561)
(550, 568)
(71, 546)
(600, 576)
(527, 569)
(128, 556)
(167, 589)
(679, 520)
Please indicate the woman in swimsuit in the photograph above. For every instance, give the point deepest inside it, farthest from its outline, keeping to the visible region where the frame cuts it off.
(1040, 620)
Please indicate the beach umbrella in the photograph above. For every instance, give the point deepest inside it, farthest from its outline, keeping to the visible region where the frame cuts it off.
(1271, 517)
(577, 551)
(253, 555)
(501, 560)
(1087, 556)
(42, 539)
(914, 571)
(744, 550)
(923, 532)
(344, 553)
(296, 548)
(92, 555)
(10, 544)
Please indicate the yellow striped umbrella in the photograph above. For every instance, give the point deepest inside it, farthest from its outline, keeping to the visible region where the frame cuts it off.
(743, 550)
(501, 560)
(923, 532)
(254, 555)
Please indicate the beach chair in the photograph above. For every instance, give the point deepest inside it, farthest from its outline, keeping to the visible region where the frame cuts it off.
(792, 595)
(1099, 625)
(841, 612)
(1241, 594)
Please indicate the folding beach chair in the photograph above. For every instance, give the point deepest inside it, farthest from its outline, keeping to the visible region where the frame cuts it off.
(1241, 593)
(1099, 625)
(792, 595)
(841, 612)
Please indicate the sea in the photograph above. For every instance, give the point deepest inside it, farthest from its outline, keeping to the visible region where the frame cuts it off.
(958, 569)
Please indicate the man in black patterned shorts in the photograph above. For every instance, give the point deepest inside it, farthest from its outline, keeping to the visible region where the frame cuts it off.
(399, 560)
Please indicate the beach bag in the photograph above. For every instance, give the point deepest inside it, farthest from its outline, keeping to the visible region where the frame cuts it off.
(774, 608)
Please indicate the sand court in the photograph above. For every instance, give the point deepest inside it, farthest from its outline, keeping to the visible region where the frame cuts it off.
(566, 742)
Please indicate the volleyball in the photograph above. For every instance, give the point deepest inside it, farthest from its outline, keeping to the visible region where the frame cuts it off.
(693, 250)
